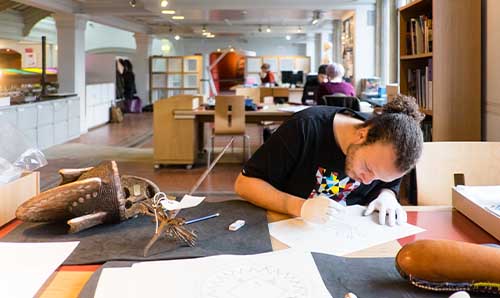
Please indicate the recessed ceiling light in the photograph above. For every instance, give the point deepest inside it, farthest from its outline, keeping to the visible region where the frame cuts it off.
(177, 37)
(288, 37)
(178, 18)
(163, 3)
(218, 50)
(206, 33)
(168, 11)
(299, 30)
(268, 29)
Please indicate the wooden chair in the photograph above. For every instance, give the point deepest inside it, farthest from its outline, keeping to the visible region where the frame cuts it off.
(351, 102)
(445, 164)
(229, 121)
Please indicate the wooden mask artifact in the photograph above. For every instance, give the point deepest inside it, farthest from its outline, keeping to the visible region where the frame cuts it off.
(88, 197)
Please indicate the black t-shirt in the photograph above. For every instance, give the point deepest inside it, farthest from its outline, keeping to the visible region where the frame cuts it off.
(303, 159)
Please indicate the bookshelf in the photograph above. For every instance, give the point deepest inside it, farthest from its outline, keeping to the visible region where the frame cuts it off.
(173, 75)
(440, 65)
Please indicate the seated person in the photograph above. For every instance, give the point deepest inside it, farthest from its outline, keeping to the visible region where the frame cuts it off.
(266, 75)
(335, 84)
(313, 85)
(326, 156)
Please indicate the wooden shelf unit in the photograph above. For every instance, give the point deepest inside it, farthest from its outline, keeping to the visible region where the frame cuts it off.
(454, 65)
(174, 75)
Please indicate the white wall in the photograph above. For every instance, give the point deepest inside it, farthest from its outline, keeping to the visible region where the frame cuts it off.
(492, 94)
(99, 36)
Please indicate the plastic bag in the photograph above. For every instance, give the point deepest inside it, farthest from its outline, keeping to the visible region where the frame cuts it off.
(17, 154)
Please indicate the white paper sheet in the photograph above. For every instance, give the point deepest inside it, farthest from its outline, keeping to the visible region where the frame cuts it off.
(293, 109)
(116, 282)
(24, 267)
(190, 201)
(346, 233)
(286, 273)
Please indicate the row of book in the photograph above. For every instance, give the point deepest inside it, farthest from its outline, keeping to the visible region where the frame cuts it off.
(420, 85)
(419, 35)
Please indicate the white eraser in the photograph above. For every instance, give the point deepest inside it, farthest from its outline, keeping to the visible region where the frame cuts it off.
(236, 225)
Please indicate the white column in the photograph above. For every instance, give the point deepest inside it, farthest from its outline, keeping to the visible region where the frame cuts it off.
(382, 40)
(71, 58)
(311, 51)
(144, 44)
(337, 41)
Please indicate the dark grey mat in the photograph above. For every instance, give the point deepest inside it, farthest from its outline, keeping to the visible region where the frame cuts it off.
(126, 240)
(365, 277)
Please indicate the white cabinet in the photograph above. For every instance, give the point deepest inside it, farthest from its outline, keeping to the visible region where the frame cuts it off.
(47, 123)
(45, 113)
(45, 136)
(10, 115)
(60, 111)
(26, 117)
(61, 132)
(100, 98)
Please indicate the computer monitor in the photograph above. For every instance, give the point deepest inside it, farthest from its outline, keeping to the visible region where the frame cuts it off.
(292, 77)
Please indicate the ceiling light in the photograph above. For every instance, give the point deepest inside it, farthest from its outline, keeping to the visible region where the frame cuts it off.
(218, 50)
(177, 37)
(288, 37)
(168, 11)
(299, 30)
(316, 17)
(163, 3)
(178, 18)
(206, 33)
(268, 29)
(204, 29)
(231, 49)
(132, 3)
(260, 28)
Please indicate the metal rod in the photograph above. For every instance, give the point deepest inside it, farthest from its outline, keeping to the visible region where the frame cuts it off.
(44, 56)
(207, 171)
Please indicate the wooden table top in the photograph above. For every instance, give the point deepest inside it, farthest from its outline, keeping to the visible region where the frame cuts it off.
(439, 222)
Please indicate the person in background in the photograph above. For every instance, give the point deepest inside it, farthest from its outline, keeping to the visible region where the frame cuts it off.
(335, 73)
(325, 157)
(129, 89)
(120, 84)
(266, 75)
(312, 86)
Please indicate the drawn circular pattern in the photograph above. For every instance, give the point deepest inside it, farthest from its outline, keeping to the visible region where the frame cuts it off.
(249, 280)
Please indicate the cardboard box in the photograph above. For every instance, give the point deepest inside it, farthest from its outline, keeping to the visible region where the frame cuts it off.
(478, 214)
(15, 193)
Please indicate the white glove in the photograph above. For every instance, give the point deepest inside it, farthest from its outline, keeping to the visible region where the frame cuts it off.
(387, 204)
(320, 209)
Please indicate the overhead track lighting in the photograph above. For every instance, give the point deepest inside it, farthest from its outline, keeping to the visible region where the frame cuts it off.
(163, 3)
(178, 18)
(168, 11)
(204, 29)
(316, 17)
(299, 30)
(132, 3)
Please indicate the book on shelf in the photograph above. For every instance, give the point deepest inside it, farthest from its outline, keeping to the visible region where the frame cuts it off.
(419, 82)
(419, 35)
